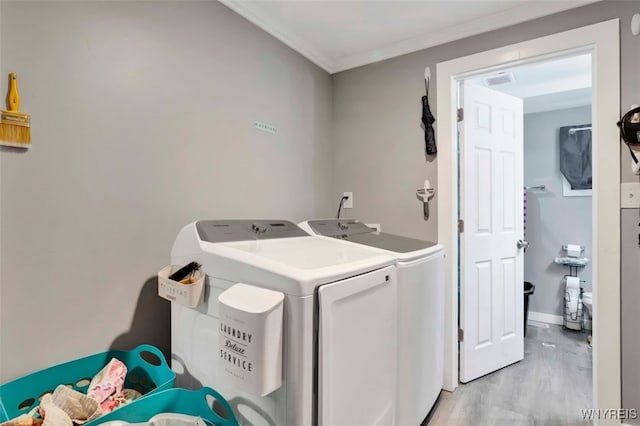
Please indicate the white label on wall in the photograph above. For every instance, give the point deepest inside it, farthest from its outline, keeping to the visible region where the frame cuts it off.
(265, 127)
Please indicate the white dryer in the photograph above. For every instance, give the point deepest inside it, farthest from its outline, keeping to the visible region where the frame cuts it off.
(340, 315)
(420, 267)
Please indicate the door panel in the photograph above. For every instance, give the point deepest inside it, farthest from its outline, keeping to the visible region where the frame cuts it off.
(357, 350)
(483, 189)
(483, 308)
(491, 205)
(509, 302)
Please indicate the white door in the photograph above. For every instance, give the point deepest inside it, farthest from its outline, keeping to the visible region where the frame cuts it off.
(357, 350)
(491, 205)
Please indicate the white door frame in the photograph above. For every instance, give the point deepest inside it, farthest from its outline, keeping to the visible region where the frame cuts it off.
(602, 40)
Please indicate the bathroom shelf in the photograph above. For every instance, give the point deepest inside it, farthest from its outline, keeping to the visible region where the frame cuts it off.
(573, 263)
(573, 320)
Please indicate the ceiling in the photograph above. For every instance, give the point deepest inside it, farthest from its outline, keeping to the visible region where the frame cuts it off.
(342, 34)
(549, 85)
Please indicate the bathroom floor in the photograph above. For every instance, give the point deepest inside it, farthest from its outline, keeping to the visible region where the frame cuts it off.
(549, 387)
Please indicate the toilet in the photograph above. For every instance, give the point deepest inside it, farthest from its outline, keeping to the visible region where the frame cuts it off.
(587, 302)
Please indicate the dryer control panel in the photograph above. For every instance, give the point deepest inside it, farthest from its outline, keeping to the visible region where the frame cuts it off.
(224, 231)
(357, 232)
(339, 228)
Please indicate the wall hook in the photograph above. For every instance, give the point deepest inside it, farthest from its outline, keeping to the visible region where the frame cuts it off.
(425, 195)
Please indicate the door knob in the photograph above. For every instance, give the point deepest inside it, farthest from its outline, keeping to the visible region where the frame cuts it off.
(523, 244)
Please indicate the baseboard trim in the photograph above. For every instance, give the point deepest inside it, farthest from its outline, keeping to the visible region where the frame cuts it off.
(546, 318)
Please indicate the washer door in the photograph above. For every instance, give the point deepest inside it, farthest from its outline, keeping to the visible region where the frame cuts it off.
(357, 350)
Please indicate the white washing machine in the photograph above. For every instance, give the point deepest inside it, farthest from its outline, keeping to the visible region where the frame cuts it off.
(420, 267)
(340, 319)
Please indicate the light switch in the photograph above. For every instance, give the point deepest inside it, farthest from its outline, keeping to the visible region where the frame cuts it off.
(630, 195)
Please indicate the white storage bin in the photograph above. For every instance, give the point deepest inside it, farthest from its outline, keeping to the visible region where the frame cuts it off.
(251, 338)
(190, 295)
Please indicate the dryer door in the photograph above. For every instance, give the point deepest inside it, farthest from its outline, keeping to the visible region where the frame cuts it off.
(357, 350)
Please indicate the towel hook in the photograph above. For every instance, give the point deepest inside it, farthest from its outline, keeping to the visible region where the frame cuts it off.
(425, 195)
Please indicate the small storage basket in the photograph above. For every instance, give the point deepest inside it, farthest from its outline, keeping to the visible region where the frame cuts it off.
(147, 372)
(190, 295)
(178, 401)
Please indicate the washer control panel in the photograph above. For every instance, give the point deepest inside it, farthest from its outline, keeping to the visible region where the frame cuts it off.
(222, 231)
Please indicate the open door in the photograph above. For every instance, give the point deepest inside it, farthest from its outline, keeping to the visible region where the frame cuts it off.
(491, 207)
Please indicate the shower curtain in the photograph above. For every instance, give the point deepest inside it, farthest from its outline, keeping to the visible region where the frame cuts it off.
(575, 156)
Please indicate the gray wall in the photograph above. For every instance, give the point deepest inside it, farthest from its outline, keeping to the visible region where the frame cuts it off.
(379, 151)
(379, 145)
(142, 119)
(630, 311)
(552, 218)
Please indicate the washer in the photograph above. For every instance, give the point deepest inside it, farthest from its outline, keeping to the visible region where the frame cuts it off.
(420, 267)
(340, 320)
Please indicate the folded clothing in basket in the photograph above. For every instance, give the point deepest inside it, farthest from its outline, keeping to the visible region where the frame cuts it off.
(164, 419)
(68, 407)
(63, 407)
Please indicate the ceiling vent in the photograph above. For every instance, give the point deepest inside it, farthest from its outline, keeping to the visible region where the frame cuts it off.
(498, 79)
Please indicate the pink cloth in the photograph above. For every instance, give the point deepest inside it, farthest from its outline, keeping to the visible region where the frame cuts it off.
(107, 384)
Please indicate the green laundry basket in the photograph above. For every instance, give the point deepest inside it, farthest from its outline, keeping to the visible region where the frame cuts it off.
(147, 372)
(179, 401)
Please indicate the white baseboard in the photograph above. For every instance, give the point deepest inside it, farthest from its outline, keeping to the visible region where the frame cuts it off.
(546, 318)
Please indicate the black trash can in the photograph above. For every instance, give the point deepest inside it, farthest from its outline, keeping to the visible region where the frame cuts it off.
(528, 291)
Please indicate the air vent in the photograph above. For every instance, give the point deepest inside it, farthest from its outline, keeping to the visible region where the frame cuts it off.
(497, 79)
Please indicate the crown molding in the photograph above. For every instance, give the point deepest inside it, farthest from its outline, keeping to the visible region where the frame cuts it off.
(512, 16)
(506, 18)
(254, 14)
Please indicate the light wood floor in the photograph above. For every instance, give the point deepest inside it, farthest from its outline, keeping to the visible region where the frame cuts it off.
(547, 388)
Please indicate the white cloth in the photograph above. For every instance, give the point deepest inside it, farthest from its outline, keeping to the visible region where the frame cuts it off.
(79, 407)
(52, 414)
(164, 419)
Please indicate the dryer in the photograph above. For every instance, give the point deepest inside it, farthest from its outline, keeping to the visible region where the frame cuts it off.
(340, 320)
(420, 268)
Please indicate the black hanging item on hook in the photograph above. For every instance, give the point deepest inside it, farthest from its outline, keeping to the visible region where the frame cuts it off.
(630, 130)
(427, 120)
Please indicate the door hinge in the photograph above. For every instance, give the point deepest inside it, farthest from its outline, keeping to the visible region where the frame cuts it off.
(461, 335)
(460, 114)
(460, 226)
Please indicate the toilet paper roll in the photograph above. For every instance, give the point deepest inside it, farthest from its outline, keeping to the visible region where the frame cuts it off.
(574, 250)
(572, 282)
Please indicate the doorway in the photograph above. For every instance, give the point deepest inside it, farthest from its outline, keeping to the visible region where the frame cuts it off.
(602, 42)
(524, 159)
(518, 127)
